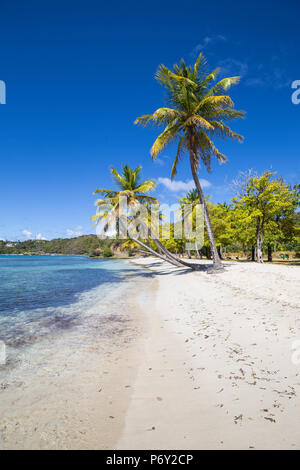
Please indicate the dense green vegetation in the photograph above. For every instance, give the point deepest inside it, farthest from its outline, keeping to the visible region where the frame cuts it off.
(263, 215)
(262, 218)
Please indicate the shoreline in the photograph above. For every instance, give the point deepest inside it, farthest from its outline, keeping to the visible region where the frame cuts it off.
(73, 388)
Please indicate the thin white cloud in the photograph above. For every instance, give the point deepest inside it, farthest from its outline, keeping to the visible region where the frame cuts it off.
(273, 77)
(269, 74)
(208, 41)
(27, 233)
(254, 82)
(176, 186)
(74, 233)
(233, 67)
(160, 161)
(39, 236)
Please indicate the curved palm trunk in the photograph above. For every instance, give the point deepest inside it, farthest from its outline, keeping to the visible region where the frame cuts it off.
(164, 252)
(154, 253)
(217, 264)
(169, 256)
(194, 266)
(197, 251)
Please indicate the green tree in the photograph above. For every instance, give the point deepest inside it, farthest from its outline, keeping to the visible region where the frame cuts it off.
(265, 207)
(198, 112)
(222, 221)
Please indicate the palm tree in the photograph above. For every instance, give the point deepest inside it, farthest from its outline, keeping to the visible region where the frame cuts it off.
(131, 188)
(198, 112)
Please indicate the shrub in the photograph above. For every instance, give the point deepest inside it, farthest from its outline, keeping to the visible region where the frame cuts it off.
(107, 253)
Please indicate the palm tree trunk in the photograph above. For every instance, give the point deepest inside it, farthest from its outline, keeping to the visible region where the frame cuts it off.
(217, 264)
(194, 266)
(207, 252)
(197, 251)
(159, 250)
(164, 252)
(173, 259)
(154, 253)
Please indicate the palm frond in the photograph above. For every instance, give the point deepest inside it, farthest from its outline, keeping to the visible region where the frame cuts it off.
(199, 66)
(169, 134)
(165, 115)
(144, 120)
(107, 200)
(105, 192)
(223, 85)
(185, 80)
(178, 156)
(120, 181)
(209, 78)
(223, 131)
(143, 198)
(199, 121)
(146, 186)
(163, 76)
(207, 149)
(214, 103)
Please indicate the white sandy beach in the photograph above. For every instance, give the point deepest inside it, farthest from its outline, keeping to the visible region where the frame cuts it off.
(205, 362)
(217, 370)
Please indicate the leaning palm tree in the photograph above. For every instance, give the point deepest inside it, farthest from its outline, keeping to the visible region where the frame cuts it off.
(130, 187)
(133, 190)
(198, 112)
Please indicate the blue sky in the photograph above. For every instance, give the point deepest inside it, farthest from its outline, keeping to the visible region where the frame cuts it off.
(79, 72)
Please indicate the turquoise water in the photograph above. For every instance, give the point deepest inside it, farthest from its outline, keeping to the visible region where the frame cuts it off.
(43, 295)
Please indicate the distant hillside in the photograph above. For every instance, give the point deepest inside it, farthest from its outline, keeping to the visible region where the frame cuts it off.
(84, 245)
